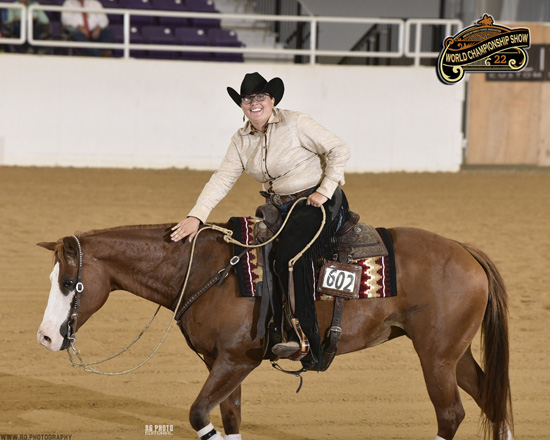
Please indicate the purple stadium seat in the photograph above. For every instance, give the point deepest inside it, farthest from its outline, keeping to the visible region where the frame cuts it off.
(174, 21)
(172, 6)
(110, 3)
(135, 4)
(225, 38)
(205, 22)
(53, 15)
(135, 37)
(117, 32)
(139, 20)
(203, 6)
(113, 18)
(159, 35)
(193, 37)
(143, 20)
(169, 5)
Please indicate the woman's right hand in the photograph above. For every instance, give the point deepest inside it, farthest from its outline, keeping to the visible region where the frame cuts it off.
(187, 227)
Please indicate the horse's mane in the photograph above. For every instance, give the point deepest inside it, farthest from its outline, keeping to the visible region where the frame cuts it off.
(59, 251)
(131, 228)
(59, 254)
(123, 228)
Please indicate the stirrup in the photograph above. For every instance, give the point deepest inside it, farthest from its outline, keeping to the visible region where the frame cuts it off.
(304, 342)
(291, 349)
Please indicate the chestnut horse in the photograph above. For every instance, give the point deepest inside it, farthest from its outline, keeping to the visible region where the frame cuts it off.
(446, 292)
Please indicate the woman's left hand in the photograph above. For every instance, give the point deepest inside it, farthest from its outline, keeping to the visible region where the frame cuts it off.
(316, 199)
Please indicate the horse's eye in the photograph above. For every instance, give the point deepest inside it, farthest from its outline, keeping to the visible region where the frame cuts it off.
(68, 284)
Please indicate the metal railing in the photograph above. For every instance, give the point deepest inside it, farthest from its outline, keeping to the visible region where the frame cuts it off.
(21, 39)
(290, 35)
(417, 53)
(403, 38)
(378, 37)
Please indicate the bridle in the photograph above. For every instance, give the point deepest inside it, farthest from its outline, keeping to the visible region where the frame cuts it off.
(73, 319)
(79, 288)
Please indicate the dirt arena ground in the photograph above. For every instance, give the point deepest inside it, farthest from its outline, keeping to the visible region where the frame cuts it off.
(374, 394)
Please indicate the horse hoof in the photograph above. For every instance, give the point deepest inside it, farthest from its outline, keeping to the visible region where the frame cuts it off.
(285, 349)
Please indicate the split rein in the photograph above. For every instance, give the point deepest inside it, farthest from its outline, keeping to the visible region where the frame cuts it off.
(228, 238)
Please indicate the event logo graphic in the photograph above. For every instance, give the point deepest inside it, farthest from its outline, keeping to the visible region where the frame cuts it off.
(483, 47)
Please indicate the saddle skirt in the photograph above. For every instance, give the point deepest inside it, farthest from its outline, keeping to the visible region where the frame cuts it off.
(361, 244)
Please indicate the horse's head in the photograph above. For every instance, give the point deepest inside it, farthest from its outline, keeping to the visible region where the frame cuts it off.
(64, 299)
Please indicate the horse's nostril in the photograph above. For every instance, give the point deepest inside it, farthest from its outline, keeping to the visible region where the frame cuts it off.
(46, 339)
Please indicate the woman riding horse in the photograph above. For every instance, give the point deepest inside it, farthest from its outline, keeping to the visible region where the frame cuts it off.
(292, 156)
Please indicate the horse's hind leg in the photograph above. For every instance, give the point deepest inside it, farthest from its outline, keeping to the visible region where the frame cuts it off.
(470, 376)
(440, 377)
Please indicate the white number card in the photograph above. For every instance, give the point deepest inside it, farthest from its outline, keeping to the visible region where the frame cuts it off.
(340, 279)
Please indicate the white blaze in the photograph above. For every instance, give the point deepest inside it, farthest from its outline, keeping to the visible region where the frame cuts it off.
(57, 311)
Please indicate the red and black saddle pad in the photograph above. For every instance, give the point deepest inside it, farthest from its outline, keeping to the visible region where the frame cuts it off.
(248, 270)
(378, 274)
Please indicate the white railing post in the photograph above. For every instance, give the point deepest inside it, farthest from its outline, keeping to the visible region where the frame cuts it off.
(417, 53)
(312, 41)
(126, 34)
(417, 45)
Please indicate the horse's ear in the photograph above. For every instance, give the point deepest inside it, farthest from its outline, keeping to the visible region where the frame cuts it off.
(50, 245)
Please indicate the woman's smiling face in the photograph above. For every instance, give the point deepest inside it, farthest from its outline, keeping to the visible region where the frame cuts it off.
(258, 109)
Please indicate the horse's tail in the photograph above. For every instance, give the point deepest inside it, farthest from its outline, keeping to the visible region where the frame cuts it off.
(496, 397)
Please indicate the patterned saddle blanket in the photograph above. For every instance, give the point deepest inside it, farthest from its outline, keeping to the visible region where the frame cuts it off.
(378, 274)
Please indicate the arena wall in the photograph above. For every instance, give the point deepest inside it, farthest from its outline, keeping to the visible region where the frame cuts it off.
(73, 111)
(508, 120)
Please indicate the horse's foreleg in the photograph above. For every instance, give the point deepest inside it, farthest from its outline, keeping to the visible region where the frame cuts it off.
(222, 385)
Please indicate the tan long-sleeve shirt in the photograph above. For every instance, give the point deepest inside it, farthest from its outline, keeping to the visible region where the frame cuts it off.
(295, 153)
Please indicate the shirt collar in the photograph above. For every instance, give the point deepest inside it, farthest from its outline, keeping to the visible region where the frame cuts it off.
(273, 119)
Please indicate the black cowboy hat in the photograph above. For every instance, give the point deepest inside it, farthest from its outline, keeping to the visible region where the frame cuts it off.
(254, 83)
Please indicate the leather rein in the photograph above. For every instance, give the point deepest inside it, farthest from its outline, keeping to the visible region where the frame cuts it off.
(217, 279)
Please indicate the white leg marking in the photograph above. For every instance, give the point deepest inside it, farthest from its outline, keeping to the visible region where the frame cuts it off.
(207, 429)
(438, 438)
(233, 437)
(56, 313)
